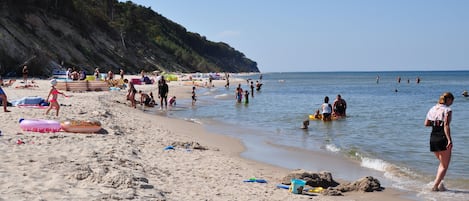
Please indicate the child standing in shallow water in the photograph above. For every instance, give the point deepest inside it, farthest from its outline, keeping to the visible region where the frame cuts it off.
(193, 96)
(53, 101)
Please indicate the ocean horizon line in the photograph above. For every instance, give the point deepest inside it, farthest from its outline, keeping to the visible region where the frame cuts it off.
(366, 71)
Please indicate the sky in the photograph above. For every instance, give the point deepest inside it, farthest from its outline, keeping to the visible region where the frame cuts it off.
(332, 35)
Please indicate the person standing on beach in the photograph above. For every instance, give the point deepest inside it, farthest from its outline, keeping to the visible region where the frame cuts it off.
(227, 85)
(441, 144)
(163, 93)
(142, 73)
(3, 96)
(210, 80)
(121, 72)
(53, 103)
(25, 75)
(110, 76)
(96, 73)
(131, 95)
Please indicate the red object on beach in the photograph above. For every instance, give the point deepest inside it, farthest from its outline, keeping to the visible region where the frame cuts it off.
(36, 106)
(136, 81)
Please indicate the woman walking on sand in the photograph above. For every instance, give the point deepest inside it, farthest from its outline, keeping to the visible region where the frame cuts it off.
(53, 101)
(439, 118)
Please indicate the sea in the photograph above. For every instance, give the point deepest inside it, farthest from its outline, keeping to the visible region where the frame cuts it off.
(382, 136)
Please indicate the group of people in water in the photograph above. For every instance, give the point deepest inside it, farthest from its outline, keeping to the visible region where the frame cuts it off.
(329, 111)
(240, 93)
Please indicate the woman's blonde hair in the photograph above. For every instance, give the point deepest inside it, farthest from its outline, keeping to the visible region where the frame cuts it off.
(445, 96)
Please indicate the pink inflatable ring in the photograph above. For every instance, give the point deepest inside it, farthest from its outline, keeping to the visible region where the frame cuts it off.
(39, 125)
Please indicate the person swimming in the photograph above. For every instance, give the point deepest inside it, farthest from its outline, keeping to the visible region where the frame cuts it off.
(305, 124)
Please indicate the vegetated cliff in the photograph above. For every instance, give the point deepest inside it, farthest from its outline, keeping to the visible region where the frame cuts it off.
(85, 34)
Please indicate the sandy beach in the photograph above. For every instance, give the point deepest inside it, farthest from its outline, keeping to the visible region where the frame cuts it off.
(127, 159)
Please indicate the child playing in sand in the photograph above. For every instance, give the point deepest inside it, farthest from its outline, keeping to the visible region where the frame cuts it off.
(53, 101)
(172, 101)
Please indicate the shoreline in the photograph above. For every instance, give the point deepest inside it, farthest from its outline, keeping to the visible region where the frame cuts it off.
(128, 160)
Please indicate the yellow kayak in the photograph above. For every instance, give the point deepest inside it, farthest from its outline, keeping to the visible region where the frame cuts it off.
(319, 117)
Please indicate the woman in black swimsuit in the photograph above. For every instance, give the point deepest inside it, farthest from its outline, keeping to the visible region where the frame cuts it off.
(439, 118)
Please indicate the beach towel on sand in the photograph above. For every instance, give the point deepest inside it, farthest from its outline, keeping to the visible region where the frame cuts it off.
(29, 100)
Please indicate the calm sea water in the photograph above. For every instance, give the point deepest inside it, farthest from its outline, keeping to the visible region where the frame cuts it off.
(383, 133)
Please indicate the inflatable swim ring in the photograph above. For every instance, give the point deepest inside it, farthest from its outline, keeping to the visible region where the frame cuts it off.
(80, 126)
(39, 125)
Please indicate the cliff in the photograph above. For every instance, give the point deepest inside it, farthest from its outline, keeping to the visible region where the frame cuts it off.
(85, 34)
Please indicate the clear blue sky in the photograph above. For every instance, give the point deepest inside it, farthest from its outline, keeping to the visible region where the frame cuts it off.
(332, 35)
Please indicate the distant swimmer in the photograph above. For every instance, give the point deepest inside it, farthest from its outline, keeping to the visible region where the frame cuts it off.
(465, 93)
(305, 124)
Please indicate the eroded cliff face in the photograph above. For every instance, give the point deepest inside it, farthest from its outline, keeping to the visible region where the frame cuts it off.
(54, 35)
